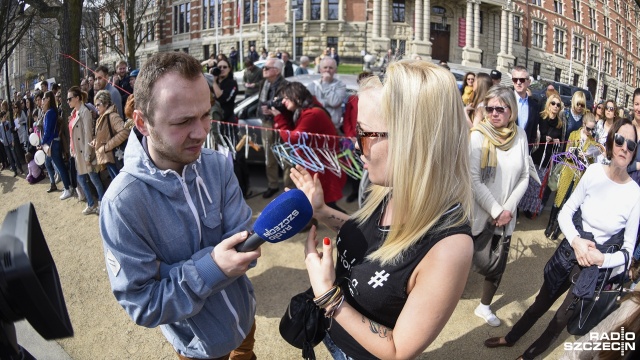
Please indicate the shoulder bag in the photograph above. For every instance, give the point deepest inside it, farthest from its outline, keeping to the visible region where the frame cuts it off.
(118, 151)
(303, 324)
(588, 313)
(489, 255)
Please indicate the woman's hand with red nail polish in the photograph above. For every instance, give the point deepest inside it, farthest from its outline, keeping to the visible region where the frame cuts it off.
(320, 265)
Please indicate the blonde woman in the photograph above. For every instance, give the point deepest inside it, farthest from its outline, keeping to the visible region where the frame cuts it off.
(409, 232)
(467, 88)
(573, 116)
(550, 127)
(110, 133)
(499, 177)
(81, 131)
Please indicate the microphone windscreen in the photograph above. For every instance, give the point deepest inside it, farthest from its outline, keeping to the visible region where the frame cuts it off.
(284, 216)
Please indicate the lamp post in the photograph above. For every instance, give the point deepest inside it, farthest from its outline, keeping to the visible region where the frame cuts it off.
(294, 13)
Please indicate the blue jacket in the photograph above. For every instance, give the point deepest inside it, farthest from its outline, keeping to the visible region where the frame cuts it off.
(50, 128)
(149, 215)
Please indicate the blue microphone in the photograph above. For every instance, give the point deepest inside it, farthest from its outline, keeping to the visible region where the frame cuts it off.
(282, 218)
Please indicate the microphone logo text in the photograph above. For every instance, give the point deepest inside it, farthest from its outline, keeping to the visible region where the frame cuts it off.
(282, 228)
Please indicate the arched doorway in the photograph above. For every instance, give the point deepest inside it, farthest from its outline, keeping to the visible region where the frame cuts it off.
(592, 86)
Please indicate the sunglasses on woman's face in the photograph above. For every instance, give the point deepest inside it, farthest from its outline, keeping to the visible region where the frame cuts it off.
(599, 107)
(498, 109)
(610, 108)
(619, 140)
(364, 139)
(553, 103)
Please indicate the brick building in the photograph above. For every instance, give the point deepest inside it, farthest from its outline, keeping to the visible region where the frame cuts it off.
(593, 44)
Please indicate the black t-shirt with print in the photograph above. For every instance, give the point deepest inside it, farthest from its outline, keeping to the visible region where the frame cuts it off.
(379, 292)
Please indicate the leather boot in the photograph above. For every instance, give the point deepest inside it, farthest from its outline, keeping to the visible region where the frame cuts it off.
(553, 222)
(52, 188)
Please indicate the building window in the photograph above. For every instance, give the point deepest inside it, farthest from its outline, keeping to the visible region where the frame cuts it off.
(607, 27)
(181, 18)
(151, 31)
(638, 78)
(619, 70)
(607, 62)
(538, 35)
(209, 8)
(299, 12)
(619, 33)
(558, 42)
(592, 18)
(629, 73)
(605, 90)
(332, 42)
(628, 40)
(578, 48)
(30, 36)
(481, 21)
(576, 79)
(251, 11)
(536, 69)
(315, 9)
(516, 28)
(576, 10)
(398, 11)
(557, 75)
(593, 55)
(536, 2)
(299, 48)
(557, 6)
(31, 61)
(333, 10)
(616, 5)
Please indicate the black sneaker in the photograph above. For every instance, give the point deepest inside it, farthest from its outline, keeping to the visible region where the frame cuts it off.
(52, 188)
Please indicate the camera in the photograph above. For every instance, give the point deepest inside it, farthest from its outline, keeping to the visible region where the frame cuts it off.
(276, 104)
(215, 71)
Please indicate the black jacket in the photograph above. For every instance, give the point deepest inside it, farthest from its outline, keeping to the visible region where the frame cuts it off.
(531, 128)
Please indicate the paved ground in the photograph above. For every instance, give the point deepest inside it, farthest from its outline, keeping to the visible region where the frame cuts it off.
(104, 331)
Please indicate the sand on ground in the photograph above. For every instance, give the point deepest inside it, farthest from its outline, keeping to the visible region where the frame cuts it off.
(104, 331)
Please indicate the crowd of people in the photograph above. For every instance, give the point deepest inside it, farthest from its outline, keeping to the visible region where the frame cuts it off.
(71, 149)
(501, 152)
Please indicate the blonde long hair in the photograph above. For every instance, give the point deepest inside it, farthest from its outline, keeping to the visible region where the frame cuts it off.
(428, 157)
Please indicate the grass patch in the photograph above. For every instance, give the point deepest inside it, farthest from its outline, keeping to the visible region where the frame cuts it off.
(354, 69)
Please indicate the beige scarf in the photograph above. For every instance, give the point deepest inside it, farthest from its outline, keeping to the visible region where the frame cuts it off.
(494, 138)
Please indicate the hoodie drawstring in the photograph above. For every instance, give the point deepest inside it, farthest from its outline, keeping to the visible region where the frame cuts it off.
(200, 184)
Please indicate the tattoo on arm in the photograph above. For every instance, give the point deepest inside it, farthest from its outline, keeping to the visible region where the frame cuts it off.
(381, 331)
(341, 221)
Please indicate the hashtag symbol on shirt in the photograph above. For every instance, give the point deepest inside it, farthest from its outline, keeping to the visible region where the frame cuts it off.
(378, 279)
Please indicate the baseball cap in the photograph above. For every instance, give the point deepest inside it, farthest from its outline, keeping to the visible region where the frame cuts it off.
(134, 73)
(495, 74)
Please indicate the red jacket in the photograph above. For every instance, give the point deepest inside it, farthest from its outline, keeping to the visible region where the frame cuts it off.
(314, 120)
(350, 117)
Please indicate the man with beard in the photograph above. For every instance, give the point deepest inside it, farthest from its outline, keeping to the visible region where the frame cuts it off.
(121, 80)
(171, 218)
(102, 83)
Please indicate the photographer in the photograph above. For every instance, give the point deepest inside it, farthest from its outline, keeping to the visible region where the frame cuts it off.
(225, 89)
(7, 139)
(273, 81)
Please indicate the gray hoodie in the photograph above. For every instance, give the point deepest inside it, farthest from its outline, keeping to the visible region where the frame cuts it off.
(149, 215)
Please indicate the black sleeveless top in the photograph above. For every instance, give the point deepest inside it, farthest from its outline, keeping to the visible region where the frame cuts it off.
(379, 292)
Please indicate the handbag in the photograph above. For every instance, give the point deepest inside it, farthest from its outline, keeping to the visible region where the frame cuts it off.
(303, 324)
(489, 255)
(554, 177)
(588, 313)
(118, 151)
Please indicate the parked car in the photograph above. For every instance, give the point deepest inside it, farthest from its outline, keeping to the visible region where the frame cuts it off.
(247, 117)
(459, 75)
(239, 75)
(539, 89)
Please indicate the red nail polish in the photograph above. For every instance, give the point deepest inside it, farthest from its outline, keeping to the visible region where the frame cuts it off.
(327, 241)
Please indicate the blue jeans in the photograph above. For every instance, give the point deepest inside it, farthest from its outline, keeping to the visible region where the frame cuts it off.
(113, 170)
(56, 160)
(83, 181)
(334, 350)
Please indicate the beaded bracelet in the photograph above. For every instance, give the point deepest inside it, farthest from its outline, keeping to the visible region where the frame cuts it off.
(332, 308)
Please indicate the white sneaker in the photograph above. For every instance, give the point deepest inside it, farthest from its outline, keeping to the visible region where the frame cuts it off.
(80, 195)
(90, 210)
(66, 194)
(489, 317)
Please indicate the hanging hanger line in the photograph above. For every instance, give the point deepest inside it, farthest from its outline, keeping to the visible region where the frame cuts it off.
(283, 130)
